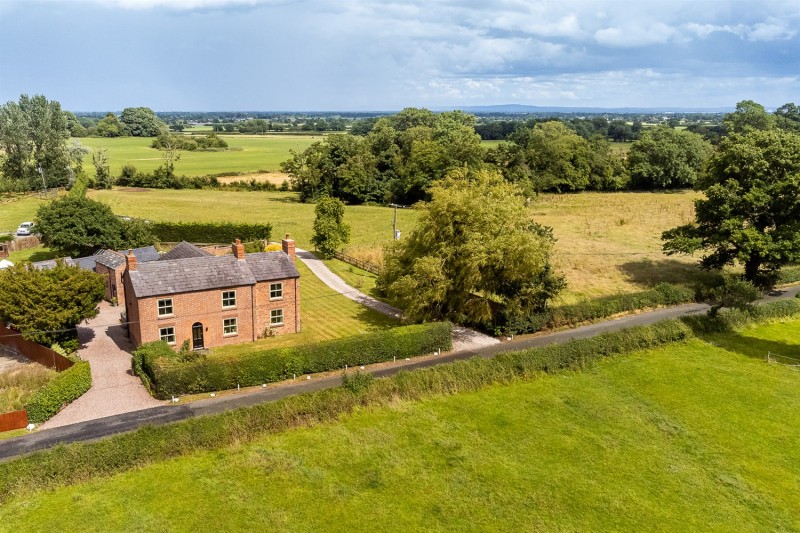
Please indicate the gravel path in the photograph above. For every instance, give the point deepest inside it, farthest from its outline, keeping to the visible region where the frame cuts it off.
(115, 389)
(463, 338)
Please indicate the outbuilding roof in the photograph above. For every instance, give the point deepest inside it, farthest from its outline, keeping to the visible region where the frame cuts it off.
(184, 250)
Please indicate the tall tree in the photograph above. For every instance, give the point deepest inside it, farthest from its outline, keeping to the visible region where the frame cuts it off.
(141, 122)
(77, 226)
(330, 230)
(110, 126)
(33, 136)
(102, 172)
(475, 257)
(46, 305)
(665, 158)
(749, 115)
(751, 213)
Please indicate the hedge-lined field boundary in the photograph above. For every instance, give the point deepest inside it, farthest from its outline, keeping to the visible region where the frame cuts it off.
(66, 387)
(222, 232)
(166, 374)
(662, 295)
(83, 461)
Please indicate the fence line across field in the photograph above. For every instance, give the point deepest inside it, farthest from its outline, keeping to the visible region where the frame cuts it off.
(776, 358)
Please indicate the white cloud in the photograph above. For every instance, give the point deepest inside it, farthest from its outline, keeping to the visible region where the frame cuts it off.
(635, 35)
(770, 31)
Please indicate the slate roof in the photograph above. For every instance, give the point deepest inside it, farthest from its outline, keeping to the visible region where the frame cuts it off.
(271, 265)
(108, 258)
(144, 254)
(51, 263)
(158, 278)
(86, 263)
(184, 250)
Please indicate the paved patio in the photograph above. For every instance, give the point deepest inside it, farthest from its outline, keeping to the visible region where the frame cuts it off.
(115, 389)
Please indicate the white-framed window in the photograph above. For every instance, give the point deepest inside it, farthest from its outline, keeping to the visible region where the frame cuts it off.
(276, 291)
(165, 307)
(228, 299)
(167, 334)
(230, 326)
(276, 317)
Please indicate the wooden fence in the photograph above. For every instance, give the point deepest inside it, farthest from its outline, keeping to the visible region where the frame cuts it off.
(364, 265)
(33, 351)
(13, 420)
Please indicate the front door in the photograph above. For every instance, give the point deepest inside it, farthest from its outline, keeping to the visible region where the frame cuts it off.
(197, 336)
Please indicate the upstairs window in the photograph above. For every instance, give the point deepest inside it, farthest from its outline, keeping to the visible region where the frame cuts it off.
(275, 291)
(228, 299)
(165, 307)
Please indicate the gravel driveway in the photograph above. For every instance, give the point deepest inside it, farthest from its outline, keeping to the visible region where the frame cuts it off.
(115, 389)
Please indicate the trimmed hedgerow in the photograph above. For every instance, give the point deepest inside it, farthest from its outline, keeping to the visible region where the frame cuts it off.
(221, 232)
(68, 386)
(730, 319)
(663, 294)
(167, 375)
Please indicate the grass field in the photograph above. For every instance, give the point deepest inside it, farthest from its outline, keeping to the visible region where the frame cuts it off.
(607, 242)
(247, 153)
(324, 315)
(691, 437)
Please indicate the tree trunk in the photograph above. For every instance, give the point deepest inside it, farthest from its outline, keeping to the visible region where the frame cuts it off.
(751, 268)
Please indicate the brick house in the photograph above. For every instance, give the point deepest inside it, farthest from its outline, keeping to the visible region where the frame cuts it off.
(212, 300)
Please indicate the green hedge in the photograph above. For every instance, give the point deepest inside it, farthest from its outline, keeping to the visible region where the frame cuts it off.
(68, 386)
(83, 461)
(789, 274)
(663, 294)
(166, 375)
(730, 319)
(222, 232)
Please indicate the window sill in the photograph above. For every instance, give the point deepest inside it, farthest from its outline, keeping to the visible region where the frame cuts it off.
(277, 325)
(166, 316)
(228, 307)
(225, 335)
(278, 299)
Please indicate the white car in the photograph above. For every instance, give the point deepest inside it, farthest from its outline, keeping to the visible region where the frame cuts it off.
(24, 229)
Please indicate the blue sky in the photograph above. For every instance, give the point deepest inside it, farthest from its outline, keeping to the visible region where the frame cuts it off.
(94, 55)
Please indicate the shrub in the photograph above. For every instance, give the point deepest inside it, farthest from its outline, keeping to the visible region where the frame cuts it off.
(222, 232)
(168, 376)
(65, 388)
(730, 319)
(789, 274)
(357, 383)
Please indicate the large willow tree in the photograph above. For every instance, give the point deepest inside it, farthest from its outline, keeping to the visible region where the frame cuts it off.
(476, 256)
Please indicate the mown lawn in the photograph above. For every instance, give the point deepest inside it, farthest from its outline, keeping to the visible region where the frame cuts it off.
(370, 224)
(324, 315)
(355, 277)
(246, 153)
(684, 438)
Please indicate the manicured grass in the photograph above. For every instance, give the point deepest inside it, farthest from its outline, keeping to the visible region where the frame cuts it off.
(17, 209)
(688, 437)
(246, 153)
(369, 224)
(38, 253)
(324, 315)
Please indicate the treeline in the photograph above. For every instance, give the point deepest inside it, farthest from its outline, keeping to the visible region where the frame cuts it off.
(618, 130)
(400, 156)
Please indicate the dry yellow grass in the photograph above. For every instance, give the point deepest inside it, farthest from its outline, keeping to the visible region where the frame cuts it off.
(276, 178)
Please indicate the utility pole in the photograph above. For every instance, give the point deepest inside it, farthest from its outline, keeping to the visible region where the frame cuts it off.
(44, 185)
(395, 233)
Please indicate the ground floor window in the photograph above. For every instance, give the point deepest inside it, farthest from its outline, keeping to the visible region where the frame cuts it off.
(230, 326)
(167, 334)
(276, 317)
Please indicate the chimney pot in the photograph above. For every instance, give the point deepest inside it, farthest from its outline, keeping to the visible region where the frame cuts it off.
(130, 260)
(238, 249)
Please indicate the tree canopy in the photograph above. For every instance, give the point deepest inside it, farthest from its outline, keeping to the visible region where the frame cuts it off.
(664, 158)
(34, 134)
(141, 122)
(77, 226)
(475, 257)
(330, 230)
(396, 161)
(46, 305)
(751, 213)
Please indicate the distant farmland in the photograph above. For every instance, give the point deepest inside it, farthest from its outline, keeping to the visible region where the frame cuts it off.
(246, 153)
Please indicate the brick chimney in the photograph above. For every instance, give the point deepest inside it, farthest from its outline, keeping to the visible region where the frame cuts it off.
(238, 249)
(130, 260)
(288, 246)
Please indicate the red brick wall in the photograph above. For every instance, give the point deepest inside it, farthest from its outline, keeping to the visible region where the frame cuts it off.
(290, 303)
(204, 307)
(114, 285)
(132, 312)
